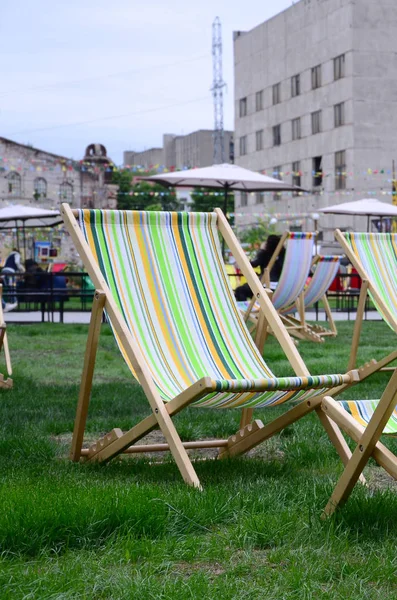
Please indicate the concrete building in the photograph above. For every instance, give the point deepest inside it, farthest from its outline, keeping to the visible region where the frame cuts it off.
(316, 104)
(192, 150)
(147, 158)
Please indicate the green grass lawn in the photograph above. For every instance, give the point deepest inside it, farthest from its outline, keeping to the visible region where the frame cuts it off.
(132, 529)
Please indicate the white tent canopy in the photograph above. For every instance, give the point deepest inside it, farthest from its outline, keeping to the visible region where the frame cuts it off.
(226, 177)
(368, 207)
(18, 215)
(21, 216)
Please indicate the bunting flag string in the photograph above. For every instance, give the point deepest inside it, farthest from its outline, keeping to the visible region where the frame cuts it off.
(42, 165)
(348, 192)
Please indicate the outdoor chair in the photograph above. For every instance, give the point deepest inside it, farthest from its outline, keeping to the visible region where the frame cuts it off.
(364, 421)
(4, 382)
(161, 280)
(299, 249)
(325, 270)
(374, 256)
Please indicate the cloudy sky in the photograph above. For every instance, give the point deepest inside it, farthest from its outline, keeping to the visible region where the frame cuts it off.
(119, 72)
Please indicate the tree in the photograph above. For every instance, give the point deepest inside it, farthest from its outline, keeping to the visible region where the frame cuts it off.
(254, 236)
(143, 195)
(205, 200)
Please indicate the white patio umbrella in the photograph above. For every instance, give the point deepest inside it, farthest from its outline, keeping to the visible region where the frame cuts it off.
(367, 207)
(20, 216)
(223, 177)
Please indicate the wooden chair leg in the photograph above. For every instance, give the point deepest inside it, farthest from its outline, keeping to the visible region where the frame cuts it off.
(4, 341)
(261, 333)
(330, 318)
(365, 447)
(246, 417)
(7, 354)
(301, 308)
(358, 325)
(87, 375)
(337, 439)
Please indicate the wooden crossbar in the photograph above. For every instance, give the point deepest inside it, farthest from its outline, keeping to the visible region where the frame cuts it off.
(166, 448)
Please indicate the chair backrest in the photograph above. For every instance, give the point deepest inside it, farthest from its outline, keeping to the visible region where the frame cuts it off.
(326, 268)
(296, 268)
(166, 273)
(374, 255)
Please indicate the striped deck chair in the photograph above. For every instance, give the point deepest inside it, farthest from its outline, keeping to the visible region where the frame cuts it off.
(364, 421)
(374, 255)
(5, 382)
(325, 270)
(160, 278)
(293, 277)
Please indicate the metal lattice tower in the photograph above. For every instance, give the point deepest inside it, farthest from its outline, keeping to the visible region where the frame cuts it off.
(217, 92)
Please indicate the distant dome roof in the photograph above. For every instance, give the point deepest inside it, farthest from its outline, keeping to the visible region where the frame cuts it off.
(96, 152)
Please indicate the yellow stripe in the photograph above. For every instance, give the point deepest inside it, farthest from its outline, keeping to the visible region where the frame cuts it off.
(356, 414)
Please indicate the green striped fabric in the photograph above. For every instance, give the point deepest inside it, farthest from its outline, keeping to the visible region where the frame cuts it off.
(362, 411)
(296, 269)
(377, 252)
(166, 273)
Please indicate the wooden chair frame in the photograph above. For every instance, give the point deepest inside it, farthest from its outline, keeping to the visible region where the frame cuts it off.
(250, 433)
(366, 286)
(313, 333)
(367, 440)
(297, 327)
(6, 383)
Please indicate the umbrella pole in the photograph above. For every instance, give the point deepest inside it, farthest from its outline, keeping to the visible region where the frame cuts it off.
(225, 213)
(368, 223)
(24, 239)
(16, 227)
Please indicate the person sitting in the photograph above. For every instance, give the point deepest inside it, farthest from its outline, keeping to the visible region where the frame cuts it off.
(12, 265)
(261, 260)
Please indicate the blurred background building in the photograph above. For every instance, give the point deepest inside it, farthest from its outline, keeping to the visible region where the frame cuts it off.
(316, 104)
(195, 149)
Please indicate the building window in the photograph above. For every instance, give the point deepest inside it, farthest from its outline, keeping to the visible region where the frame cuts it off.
(259, 197)
(259, 139)
(231, 150)
(277, 175)
(66, 192)
(295, 86)
(277, 135)
(296, 129)
(296, 175)
(317, 171)
(339, 114)
(40, 188)
(339, 67)
(14, 184)
(259, 100)
(243, 145)
(243, 107)
(244, 199)
(277, 93)
(316, 77)
(340, 170)
(316, 122)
